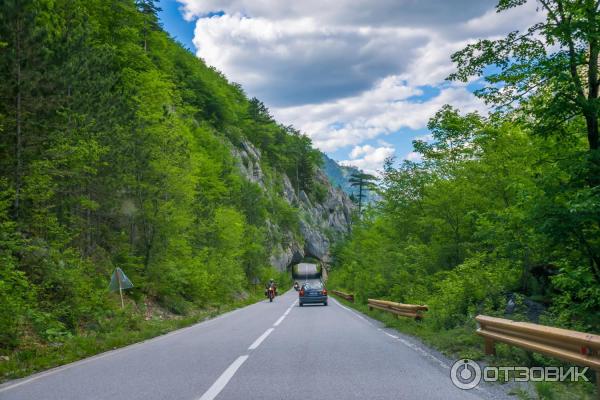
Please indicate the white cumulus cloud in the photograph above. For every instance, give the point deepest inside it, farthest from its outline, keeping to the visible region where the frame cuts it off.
(413, 156)
(369, 158)
(348, 72)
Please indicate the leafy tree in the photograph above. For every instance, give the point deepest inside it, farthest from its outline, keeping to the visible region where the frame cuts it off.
(552, 68)
(551, 73)
(488, 207)
(116, 150)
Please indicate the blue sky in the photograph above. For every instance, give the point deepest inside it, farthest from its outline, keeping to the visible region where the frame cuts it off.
(174, 23)
(361, 78)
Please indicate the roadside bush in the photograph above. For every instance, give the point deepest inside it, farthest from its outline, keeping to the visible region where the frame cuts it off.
(15, 295)
(474, 286)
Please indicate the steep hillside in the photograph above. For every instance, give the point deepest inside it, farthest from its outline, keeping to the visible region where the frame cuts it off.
(119, 148)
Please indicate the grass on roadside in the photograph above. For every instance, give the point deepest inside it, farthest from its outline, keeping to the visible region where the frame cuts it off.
(127, 327)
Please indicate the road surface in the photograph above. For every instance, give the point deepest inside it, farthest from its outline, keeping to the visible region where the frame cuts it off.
(264, 351)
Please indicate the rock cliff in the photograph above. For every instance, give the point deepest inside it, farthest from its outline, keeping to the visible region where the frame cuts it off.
(322, 221)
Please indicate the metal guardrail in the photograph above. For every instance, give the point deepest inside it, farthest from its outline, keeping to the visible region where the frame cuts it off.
(346, 296)
(404, 310)
(572, 346)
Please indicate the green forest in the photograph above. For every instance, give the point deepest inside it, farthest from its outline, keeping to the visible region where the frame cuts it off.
(116, 151)
(503, 206)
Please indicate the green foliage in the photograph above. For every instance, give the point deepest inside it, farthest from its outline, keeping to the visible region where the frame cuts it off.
(502, 205)
(364, 183)
(319, 192)
(115, 151)
(15, 297)
(121, 329)
(491, 209)
(550, 71)
(476, 286)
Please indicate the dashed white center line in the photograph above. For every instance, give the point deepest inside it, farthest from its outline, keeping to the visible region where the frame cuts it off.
(220, 383)
(285, 313)
(226, 376)
(262, 337)
(279, 320)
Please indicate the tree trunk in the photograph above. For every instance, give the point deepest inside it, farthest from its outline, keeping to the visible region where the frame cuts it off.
(591, 121)
(591, 113)
(18, 117)
(360, 195)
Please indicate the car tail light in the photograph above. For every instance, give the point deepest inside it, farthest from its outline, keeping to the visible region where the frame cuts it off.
(324, 292)
(302, 292)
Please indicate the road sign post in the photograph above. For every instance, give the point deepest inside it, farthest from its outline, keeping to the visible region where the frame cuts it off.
(119, 281)
(120, 289)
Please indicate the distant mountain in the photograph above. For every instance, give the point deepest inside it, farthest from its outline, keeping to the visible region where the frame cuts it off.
(339, 175)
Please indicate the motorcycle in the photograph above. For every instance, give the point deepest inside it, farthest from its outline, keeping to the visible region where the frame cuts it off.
(296, 287)
(271, 294)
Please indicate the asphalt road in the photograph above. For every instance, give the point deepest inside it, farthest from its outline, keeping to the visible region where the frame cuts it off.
(264, 351)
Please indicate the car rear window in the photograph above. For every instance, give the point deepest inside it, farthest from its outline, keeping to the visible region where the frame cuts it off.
(313, 285)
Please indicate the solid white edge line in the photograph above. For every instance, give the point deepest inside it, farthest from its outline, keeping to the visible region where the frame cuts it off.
(34, 377)
(262, 337)
(353, 312)
(410, 345)
(222, 381)
(7, 386)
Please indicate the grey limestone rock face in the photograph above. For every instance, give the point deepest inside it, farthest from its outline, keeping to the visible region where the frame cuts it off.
(321, 222)
(316, 244)
(281, 257)
(248, 162)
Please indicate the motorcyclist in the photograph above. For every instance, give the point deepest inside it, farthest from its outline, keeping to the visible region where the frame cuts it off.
(296, 286)
(273, 285)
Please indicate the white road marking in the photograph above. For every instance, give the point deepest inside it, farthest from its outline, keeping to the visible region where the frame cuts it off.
(285, 314)
(8, 386)
(404, 342)
(35, 377)
(353, 312)
(423, 352)
(390, 335)
(262, 337)
(59, 369)
(222, 381)
(279, 320)
(226, 376)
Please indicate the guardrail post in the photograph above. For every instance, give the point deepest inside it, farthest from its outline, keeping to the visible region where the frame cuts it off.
(490, 347)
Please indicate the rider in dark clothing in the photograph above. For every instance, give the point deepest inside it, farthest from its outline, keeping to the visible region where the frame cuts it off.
(273, 285)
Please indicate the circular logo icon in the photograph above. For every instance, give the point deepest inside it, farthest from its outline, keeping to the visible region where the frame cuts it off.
(465, 374)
